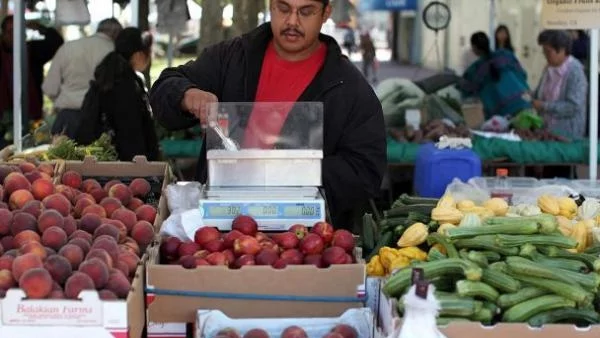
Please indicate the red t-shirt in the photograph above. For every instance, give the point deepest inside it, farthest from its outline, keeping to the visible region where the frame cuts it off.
(280, 81)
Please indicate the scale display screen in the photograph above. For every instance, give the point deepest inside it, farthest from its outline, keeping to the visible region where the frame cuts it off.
(262, 210)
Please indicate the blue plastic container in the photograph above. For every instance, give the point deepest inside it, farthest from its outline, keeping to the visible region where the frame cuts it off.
(436, 168)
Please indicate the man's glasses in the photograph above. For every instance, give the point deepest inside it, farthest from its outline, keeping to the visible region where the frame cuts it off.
(302, 12)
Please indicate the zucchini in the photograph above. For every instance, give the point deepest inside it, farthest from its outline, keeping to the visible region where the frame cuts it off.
(513, 241)
(444, 321)
(492, 307)
(477, 258)
(527, 309)
(484, 316)
(368, 232)
(435, 255)
(492, 256)
(403, 210)
(487, 243)
(572, 292)
(436, 238)
(415, 217)
(445, 283)
(455, 306)
(547, 223)
(467, 288)
(593, 250)
(384, 240)
(498, 266)
(510, 299)
(391, 223)
(401, 280)
(525, 267)
(411, 200)
(566, 314)
(500, 280)
(559, 263)
(523, 228)
(592, 261)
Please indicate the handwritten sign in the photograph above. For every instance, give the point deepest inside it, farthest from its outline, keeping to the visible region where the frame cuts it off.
(570, 14)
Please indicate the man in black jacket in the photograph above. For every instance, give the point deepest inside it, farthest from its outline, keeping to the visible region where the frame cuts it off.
(288, 60)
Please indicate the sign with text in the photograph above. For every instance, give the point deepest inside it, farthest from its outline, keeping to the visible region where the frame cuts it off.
(570, 14)
(387, 5)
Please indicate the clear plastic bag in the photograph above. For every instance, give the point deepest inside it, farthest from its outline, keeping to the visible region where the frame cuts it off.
(460, 191)
(530, 196)
(183, 200)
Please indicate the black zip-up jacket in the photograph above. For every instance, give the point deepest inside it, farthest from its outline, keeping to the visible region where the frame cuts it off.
(354, 133)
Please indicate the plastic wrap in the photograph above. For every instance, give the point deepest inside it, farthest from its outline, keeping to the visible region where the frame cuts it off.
(183, 200)
(460, 191)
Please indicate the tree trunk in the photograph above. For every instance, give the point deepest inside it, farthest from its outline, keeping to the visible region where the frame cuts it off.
(144, 11)
(211, 24)
(245, 15)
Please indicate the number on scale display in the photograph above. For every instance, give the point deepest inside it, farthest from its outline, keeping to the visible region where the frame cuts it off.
(263, 211)
(300, 210)
(230, 210)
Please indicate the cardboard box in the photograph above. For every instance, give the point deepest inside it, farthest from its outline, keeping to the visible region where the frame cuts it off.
(390, 322)
(210, 322)
(88, 317)
(473, 114)
(167, 330)
(174, 294)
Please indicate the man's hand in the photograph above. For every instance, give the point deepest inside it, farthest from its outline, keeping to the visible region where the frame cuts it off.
(196, 102)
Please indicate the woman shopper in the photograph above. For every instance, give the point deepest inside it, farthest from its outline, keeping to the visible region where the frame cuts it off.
(561, 95)
(120, 102)
(496, 78)
(502, 39)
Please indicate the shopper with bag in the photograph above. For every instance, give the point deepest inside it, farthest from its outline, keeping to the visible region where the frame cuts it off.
(288, 60)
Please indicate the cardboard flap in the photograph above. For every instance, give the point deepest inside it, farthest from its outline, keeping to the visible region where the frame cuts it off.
(17, 310)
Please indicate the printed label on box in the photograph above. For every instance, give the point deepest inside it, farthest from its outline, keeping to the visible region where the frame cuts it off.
(17, 311)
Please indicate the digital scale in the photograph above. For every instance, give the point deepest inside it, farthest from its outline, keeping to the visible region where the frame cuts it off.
(278, 187)
(273, 208)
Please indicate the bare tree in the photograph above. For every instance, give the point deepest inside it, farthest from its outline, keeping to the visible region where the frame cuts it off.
(245, 15)
(211, 23)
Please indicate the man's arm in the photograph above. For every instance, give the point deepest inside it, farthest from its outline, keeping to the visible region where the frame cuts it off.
(167, 93)
(354, 173)
(51, 84)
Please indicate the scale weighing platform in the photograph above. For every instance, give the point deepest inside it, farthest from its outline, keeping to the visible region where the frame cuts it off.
(273, 208)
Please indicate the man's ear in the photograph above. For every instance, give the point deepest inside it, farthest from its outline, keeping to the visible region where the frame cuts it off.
(327, 13)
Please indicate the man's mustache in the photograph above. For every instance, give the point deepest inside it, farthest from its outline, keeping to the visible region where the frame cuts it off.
(291, 31)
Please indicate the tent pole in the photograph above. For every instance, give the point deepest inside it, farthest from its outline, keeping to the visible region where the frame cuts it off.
(594, 104)
(492, 27)
(19, 67)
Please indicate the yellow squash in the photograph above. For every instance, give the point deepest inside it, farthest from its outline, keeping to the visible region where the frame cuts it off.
(497, 205)
(443, 228)
(413, 253)
(447, 201)
(375, 268)
(464, 204)
(446, 215)
(580, 234)
(567, 207)
(549, 204)
(415, 235)
(400, 262)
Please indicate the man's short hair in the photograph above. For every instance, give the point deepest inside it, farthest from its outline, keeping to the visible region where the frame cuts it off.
(111, 27)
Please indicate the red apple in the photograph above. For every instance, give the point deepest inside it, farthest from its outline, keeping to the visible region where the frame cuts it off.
(344, 239)
(311, 244)
(292, 256)
(325, 230)
(299, 229)
(245, 224)
(266, 257)
(244, 260)
(217, 258)
(206, 234)
(246, 245)
(230, 237)
(334, 255)
(286, 240)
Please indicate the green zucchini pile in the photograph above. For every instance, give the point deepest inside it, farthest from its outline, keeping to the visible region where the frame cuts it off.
(517, 270)
(404, 212)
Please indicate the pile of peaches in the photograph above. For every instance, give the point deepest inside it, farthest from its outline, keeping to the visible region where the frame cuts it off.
(59, 239)
(321, 246)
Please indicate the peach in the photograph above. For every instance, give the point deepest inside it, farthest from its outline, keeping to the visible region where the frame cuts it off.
(81, 205)
(72, 179)
(25, 237)
(122, 266)
(15, 181)
(97, 270)
(294, 332)
(83, 195)
(59, 267)
(90, 222)
(1, 249)
(37, 283)
(7, 280)
(57, 294)
(143, 233)
(6, 263)
(26, 167)
(46, 168)
(41, 189)
(107, 229)
(54, 237)
(6, 218)
(101, 254)
(34, 208)
(130, 260)
(59, 203)
(19, 198)
(82, 243)
(73, 254)
(311, 244)
(44, 176)
(206, 234)
(134, 204)
(33, 176)
(25, 262)
(228, 333)
(49, 251)
(132, 245)
(345, 331)
(187, 248)
(94, 209)
(50, 218)
(121, 192)
(109, 245)
(34, 248)
(107, 295)
(123, 231)
(139, 187)
(146, 213)
(81, 234)
(256, 333)
(246, 245)
(126, 216)
(98, 194)
(7, 169)
(7, 242)
(344, 239)
(90, 184)
(245, 224)
(65, 191)
(110, 204)
(119, 284)
(76, 283)
(169, 248)
(110, 184)
(3, 205)
(70, 225)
